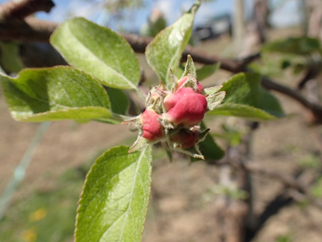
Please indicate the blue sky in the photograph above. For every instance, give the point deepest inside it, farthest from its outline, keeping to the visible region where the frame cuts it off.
(172, 9)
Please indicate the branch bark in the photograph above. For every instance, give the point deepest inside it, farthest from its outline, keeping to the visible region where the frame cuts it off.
(237, 213)
(21, 9)
(239, 26)
(32, 29)
(285, 179)
(279, 202)
(233, 213)
(310, 74)
(28, 30)
(316, 109)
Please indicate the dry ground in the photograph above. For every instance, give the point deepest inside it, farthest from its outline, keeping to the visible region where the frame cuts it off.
(181, 209)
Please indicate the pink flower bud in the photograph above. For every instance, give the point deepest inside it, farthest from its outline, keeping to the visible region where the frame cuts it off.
(185, 138)
(185, 107)
(152, 129)
(184, 79)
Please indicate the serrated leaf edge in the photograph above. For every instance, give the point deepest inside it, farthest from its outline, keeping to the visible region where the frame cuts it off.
(108, 67)
(92, 167)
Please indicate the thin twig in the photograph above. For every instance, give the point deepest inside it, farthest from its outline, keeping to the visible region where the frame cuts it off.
(273, 207)
(310, 74)
(28, 30)
(286, 179)
(40, 30)
(315, 108)
(21, 168)
(32, 29)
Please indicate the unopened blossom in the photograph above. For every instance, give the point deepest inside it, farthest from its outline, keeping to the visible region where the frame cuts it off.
(173, 114)
(185, 107)
(151, 127)
(185, 139)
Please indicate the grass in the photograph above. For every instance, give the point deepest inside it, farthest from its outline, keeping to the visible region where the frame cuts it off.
(49, 215)
(46, 215)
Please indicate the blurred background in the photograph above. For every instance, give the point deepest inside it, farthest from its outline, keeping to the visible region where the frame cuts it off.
(43, 167)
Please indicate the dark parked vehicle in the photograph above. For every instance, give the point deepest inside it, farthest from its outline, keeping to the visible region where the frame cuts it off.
(214, 27)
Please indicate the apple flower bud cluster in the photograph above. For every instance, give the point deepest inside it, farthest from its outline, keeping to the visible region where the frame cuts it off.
(174, 116)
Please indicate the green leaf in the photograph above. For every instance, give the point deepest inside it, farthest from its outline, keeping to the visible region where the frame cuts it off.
(119, 101)
(2, 72)
(208, 148)
(285, 64)
(298, 68)
(246, 89)
(9, 56)
(81, 115)
(55, 94)
(98, 51)
(297, 46)
(164, 52)
(242, 88)
(240, 110)
(230, 133)
(269, 103)
(206, 71)
(115, 197)
(317, 188)
(268, 66)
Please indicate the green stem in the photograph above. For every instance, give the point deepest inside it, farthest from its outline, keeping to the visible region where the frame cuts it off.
(21, 168)
(140, 94)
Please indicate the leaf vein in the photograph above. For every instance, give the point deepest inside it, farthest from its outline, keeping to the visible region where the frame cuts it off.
(102, 61)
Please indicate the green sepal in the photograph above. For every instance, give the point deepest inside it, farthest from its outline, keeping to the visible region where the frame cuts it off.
(213, 100)
(139, 144)
(212, 90)
(208, 147)
(189, 68)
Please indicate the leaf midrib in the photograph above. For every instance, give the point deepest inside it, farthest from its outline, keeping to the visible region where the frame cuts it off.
(21, 115)
(126, 212)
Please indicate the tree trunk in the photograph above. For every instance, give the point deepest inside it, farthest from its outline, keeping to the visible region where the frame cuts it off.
(257, 26)
(239, 26)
